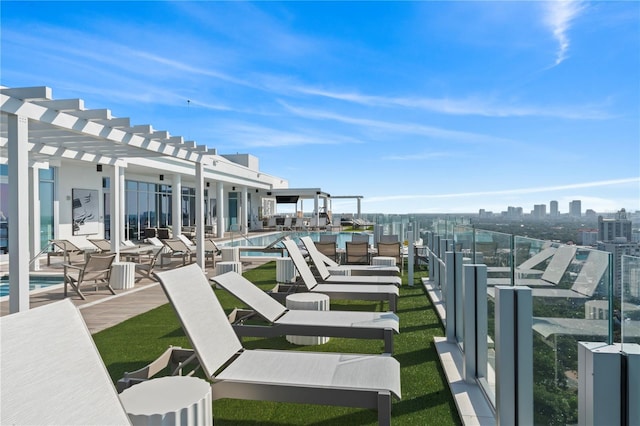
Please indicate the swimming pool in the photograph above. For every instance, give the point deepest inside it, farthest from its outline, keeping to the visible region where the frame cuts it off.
(36, 282)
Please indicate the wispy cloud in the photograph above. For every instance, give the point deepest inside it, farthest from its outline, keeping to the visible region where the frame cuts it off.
(520, 191)
(414, 157)
(236, 134)
(393, 127)
(558, 17)
(486, 106)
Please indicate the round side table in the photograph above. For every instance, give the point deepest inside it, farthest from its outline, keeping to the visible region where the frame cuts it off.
(308, 302)
(123, 275)
(222, 267)
(383, 261)
(230, 254)
(174, 400)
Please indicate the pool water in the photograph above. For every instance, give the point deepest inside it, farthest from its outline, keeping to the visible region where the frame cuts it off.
(35, 283)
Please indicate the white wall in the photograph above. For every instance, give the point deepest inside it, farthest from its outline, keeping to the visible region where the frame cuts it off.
(82, 176)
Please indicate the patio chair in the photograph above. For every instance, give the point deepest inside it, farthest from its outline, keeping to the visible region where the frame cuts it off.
(186, 241)
(328, 248)
(352, 380)
(391, 250)
(52, 372)
(329, 238)
(298, 224)
(64, 248)
(145, 269)
(177, 249)
(96, 270)
(337, 289)
(320, 263)
(357, 252)
(164, 233)
(360, 238)
(393, 238)
(282, 321)
(211, 250)
(103, 245)
(325, 276)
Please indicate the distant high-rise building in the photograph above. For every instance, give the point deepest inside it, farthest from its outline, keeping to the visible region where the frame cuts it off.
(539, 211)
(587, 237)
(553, 209)
(575, 208)
(619, 249)
(610, 229)
(514, 212)
(590, 214)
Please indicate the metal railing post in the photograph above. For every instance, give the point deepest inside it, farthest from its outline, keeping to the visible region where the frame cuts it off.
(514, 355)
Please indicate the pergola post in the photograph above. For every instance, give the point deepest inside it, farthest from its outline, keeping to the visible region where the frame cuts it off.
(34, 216)
(18, 133)
(200, 214)
(117, 209)
(176, 205)
(244, 211)
(220, 209)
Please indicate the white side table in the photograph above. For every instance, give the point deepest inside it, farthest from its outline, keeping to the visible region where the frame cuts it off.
(174, 400)
(383, 261)
(285, 270)
(123, 275)
(222, 267)
(230, 254)
(308, 302)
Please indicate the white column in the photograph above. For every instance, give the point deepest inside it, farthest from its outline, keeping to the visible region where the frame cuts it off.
(359, 212)
(34, 216)
(18, 154)
(123, 220)
(176, 205)
(220, 209)
(514, 355)
(316, 208)
(117, 209)
(200, 214)
(244, 211)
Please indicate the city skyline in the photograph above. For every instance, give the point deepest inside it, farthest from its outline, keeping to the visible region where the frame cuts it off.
(420, 107)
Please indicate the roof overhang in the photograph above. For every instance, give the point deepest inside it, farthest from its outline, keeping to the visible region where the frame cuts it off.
(292, 195)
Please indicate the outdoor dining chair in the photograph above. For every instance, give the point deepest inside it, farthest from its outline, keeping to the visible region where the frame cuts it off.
(96, 270)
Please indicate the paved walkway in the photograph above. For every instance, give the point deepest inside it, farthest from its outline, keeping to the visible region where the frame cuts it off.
(102, 310)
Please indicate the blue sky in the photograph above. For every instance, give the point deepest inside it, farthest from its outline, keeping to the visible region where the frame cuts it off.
(421, 107)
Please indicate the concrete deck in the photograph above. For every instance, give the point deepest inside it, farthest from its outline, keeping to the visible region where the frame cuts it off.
(101, 309)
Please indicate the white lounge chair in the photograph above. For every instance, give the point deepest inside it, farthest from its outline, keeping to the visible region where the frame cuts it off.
(52, 372)
(352, 380)
(282, 321)
(327, 278)
(344, 290)
(327, 267)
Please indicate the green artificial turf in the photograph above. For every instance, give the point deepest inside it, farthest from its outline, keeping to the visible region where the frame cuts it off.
(426, 399)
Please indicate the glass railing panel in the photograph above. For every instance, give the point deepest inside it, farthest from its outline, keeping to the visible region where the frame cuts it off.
(494, 250)
(629, 309)
(570, 304)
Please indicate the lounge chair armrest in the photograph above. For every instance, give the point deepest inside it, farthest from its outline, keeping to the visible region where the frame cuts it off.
(68, 265)
(174, 358)
(240, 315)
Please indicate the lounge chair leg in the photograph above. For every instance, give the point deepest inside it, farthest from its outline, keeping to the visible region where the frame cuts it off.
(393, 303)
(388, 341)
(384, 408)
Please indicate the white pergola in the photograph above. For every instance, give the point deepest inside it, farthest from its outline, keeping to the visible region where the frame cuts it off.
(35, 129)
